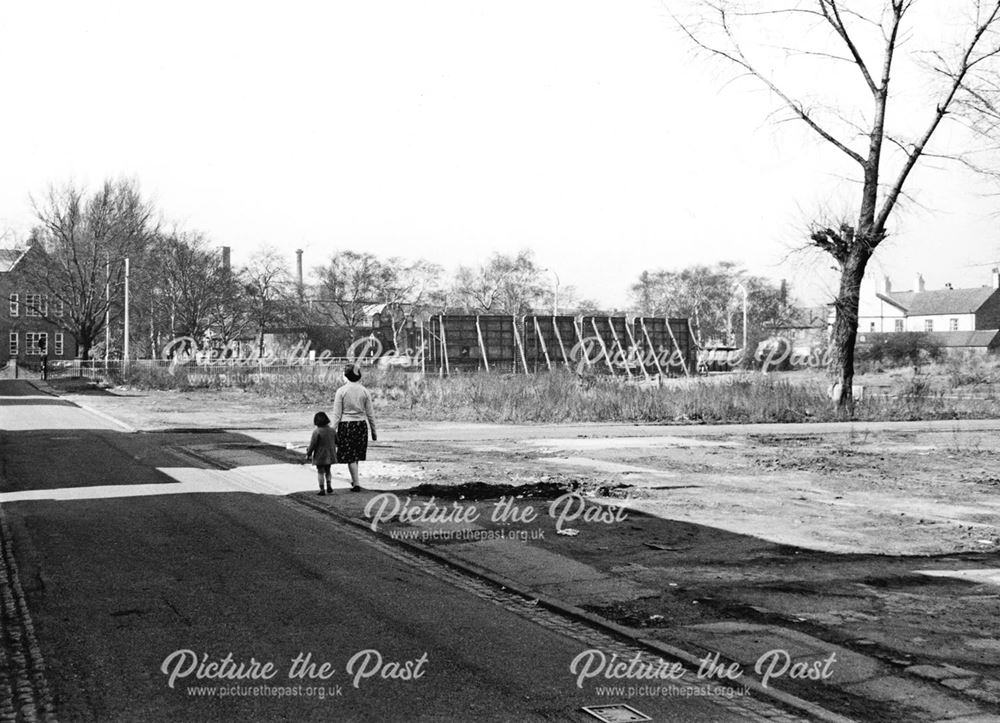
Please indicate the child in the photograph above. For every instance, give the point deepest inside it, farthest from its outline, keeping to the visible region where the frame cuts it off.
(322, 450)
(352, 419)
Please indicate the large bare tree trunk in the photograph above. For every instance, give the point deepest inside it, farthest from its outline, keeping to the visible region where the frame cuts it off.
(845, 326)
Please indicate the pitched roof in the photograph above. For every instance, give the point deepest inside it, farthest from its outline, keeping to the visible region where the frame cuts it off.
(981, 338)
(940, 301)
(899, 299)
(10, 257)
(813, 317)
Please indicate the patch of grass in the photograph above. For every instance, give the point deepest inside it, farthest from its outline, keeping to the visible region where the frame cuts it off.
(564, 397)
(972, 370)
(561, 396)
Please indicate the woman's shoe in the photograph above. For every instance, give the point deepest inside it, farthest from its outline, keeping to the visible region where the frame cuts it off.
(355, 488)
(322, 492)
(329, 490)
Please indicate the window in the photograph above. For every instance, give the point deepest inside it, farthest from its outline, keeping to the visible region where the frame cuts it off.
(928, 324)
(952, 324)
(899, 324)
(57, 307)
(13, 344)
(35, 342)
(59, 344)
(13, 305)
(872, 327)
(32, 304)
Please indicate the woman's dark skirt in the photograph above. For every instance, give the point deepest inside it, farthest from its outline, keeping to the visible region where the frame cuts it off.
(352, 442)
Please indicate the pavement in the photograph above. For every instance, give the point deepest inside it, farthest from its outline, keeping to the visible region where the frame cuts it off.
(577, 557)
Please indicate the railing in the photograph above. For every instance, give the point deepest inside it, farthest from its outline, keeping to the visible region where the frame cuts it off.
(232, 372)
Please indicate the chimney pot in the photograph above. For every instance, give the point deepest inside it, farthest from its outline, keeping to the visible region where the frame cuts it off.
(888, 285)
(996, 278)
(918, 284)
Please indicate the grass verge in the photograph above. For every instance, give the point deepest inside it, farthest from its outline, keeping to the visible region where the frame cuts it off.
(565, 397)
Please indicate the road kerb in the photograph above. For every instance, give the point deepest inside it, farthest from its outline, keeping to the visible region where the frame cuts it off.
(571, 611)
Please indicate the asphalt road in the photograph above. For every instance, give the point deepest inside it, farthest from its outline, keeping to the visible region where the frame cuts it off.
(127, 591)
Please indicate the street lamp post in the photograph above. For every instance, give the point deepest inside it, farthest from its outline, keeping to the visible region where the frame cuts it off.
(743, 289)
(107, 312)
(125, 344)
(555, 292)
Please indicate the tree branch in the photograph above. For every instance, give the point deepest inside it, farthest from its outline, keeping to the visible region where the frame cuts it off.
(737, 57)
(966, 64)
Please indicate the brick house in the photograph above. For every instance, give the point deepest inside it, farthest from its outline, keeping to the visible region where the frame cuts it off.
(25, 332)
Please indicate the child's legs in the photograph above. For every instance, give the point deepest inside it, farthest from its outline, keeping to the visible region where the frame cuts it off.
(323, 474)
(352, 467)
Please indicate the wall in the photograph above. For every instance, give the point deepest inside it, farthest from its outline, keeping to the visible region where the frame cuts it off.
(880, 313)
(966, 322)
(22, 324)
(988, 315)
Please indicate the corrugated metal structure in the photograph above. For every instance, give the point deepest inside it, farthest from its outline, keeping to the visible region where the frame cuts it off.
(632, 347)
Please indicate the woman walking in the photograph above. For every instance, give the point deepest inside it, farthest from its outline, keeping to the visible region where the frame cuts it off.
(352, 416)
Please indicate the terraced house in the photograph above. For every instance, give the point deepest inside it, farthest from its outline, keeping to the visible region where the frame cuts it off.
(960, 319)
(29, 320)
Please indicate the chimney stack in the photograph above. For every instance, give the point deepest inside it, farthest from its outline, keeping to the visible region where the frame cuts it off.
(996, 278)
(298, 265)
(225, 259)
(918, 283)
(888, 285)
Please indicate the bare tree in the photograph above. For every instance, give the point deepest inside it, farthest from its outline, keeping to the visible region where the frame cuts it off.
(191, 275)
(231, 314)
(409, 290)
(80, 248)
(868, 39)
(504, 285)
(709, 296)
(350, 285)
(268, 286)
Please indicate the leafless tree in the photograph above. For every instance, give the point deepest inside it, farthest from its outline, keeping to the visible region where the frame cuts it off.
(268, 286)
(504, 285)
(710, 297)
(232, 311)
(350, 285)
(409, 289)
(875, 44)
(80, 248)
(191, 278)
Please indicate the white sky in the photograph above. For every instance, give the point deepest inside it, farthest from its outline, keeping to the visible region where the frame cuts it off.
(585, 130)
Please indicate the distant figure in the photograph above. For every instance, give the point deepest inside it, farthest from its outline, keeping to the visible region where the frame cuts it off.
(352, 415)
(322, 450)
